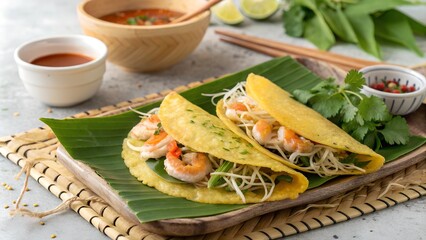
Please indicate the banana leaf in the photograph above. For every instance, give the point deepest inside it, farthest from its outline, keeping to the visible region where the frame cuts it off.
(97, 142)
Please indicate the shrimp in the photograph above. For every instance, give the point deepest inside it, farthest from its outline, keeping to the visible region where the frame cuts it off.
(193, 167)
(233, 110)
(292, 142)
(262, 131)
(156, 145)
(145, 128)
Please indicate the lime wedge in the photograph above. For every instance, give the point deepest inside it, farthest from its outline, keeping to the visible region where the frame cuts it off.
(259, 9)
(227, 12)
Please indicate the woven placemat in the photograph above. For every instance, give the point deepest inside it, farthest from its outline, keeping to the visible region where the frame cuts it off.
(40, 145)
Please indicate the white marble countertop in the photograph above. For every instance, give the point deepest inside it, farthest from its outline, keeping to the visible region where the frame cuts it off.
(23, 20)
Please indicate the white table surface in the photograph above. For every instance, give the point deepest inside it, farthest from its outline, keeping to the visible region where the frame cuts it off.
(24, 20)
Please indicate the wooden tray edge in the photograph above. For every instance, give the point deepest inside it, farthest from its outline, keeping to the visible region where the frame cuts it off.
(204, 225)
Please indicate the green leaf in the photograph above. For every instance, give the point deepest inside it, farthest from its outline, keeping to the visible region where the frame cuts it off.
(393, 152)
(396, 131)
(328, 86)
(327, 105)
(359, 119)
(157, 166)
(316, 29)
(307, 3)
(354, 80)
(373, 109)
(318, 32)
(395, 28)
(360, 132)
(293, 21)
(348, 112)
(339, 23)
(316, 181)
(302, 96)
(372, 6)
(417, 27)
(370, 139)
(350, 126)
(305, 161)
(363, 27)
(215, 179)
(349, 159)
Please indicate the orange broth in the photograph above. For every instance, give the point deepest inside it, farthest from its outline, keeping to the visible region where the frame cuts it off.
(142, 17)
(61, 60)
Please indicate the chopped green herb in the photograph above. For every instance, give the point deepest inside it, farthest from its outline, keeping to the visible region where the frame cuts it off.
(189, 110)
(219, 133)
(216, 180)
(352, 159)
(244, 152)
(191, 121)
(132, 21)
(143, 17)
(226, 149)
(305, 161)
(204, 124)
(158, 130)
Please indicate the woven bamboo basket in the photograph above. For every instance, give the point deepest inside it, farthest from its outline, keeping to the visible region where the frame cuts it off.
(144, 48)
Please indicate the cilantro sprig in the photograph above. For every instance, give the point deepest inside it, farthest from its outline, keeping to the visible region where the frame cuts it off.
(366, 119)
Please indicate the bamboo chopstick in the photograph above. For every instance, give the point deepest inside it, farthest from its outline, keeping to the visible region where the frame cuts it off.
(276, 49)
(203, 8)
(270, 51)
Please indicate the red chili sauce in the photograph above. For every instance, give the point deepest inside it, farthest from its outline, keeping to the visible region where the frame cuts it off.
(142, 17)
(392, 86)
(61, 60)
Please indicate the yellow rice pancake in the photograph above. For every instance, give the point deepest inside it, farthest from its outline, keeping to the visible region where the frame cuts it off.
(195, 128)
(301, 119)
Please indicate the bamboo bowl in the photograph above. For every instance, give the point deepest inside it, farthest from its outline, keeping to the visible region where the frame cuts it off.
(144, 48)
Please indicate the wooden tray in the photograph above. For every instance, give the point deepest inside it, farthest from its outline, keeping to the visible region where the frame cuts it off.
(203, 225)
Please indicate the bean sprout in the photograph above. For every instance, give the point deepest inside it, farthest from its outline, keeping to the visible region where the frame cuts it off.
(239, 179)
(323, 160)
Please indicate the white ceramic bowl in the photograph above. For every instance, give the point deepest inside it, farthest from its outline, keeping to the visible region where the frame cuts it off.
(398, 103)
(62, 86)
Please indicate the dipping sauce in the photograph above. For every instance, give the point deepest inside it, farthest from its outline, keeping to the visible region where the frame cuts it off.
(392, 86)
(61, 60)
(142, 17)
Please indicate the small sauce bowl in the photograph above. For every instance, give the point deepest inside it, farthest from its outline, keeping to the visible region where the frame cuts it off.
(67, 85)
(397, 103)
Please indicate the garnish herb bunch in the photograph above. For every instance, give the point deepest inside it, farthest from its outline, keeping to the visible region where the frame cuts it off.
(366, 119)
(363, 22)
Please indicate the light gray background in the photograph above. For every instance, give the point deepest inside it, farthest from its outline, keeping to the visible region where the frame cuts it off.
(24, 20)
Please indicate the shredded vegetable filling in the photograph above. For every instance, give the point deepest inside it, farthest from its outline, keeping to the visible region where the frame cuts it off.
(203, 167)
(263, 128)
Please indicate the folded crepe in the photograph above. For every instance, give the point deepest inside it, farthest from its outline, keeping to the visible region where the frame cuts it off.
(204, 161)
(277, 125)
